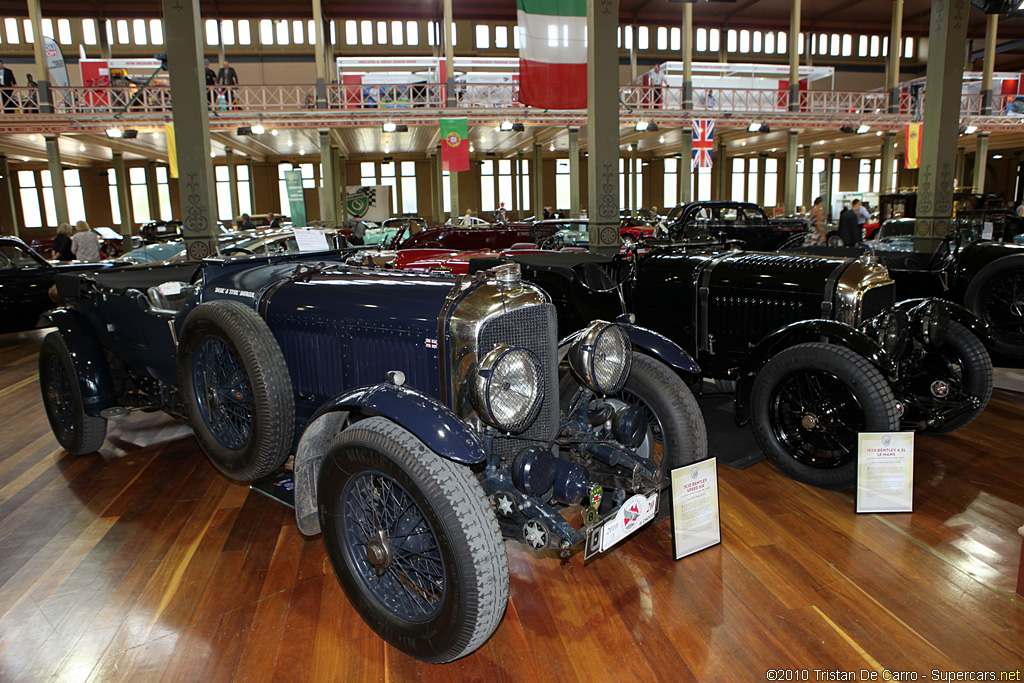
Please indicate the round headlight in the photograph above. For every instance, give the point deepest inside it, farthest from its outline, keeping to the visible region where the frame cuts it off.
(891, 332)
(601, 357)
(508, 388)
(934, 320)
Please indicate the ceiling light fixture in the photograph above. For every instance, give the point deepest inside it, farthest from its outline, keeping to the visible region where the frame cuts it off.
(244, 130)
(32, 137)
(274, 132)
(997, 156)
(878, 133)
(863, 128)
(505, 125)
(471, 148)
(661, 139)
(114, 133)
(258, 129)
(289, 143)
(81, 148)
(970, 130)
(552, 147)
(642, 126)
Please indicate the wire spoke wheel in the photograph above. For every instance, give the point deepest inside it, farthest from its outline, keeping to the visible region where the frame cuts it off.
(817, 418)
(1003, 307)
(393, 546)
(222, 392)
(58, 393)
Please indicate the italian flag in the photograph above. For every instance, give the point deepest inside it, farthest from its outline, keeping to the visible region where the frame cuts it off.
(553, 53)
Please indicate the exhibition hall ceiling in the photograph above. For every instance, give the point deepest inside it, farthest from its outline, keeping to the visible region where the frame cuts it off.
(820, 15)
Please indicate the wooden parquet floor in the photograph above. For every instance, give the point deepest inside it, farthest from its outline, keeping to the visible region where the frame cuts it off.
(144, 564)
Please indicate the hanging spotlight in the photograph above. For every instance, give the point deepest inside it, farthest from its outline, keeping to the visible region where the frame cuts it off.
(970, 130)
(754, 127)
(643, 125)
(863, 128)
(258, 129)
(115, 133)
(505, 125)
(274, 132)
(244, 130)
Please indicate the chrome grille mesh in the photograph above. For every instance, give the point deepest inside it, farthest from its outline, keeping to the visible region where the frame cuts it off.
(534, 328)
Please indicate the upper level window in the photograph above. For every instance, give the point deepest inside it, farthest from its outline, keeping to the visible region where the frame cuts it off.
(156, 31)
(501, 36)
(483, 36)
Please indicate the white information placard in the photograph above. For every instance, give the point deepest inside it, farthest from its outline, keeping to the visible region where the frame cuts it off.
(311, 240)
(988, 230)
(885, 472)
(695, 520)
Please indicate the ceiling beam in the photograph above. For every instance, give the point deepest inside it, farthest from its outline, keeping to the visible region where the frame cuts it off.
(135, 148)
(249, 147)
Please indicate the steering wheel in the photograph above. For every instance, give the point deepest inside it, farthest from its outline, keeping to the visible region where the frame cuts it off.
(942, 253)
(553, 243)
(236, 250)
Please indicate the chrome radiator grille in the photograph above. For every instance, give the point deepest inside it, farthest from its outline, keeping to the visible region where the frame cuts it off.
(876, 300)
(534, 328)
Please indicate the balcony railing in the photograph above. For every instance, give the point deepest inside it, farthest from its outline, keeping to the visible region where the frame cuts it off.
(664, 100)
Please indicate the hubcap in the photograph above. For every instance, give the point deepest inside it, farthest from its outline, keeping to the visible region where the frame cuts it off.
(940, 389)
(809, 421)
(378, 552)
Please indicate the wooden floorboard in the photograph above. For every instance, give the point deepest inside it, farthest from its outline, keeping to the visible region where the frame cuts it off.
(143, 563)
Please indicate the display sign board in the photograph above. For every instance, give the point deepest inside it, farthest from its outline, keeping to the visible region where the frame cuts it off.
(311, 240)
(370, 202)
(695, 518)
(296, 198)
(885, 472)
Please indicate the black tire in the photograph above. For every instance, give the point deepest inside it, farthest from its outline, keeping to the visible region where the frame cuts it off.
(678, 435)
(996, 295)
(839, 393)
(77, 432)
(450, 594)
(965, 358)
(832, 239)
(236, 389)
(628, 241)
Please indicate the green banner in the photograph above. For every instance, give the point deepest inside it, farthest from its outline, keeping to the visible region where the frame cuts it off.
(296, 198)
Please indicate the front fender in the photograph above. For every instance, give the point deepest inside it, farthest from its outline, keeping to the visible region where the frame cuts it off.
(91, 368)
(957, 314)
(429, 421)
(804, 332)
(651, 343)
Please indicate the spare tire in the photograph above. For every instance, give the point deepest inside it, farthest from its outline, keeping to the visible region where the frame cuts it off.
(236, 389)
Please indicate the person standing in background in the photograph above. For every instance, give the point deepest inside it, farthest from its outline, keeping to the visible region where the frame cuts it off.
(273, 221)
(62, 243)
(863, 215)
(7, 81)
(227, 77)
(211, 80)
(32, 105)
(85, 245)
(817, 221)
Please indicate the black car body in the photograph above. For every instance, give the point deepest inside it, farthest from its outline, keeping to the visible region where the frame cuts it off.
(427, 416)
(25, 281)
(819, 349)
(743, 222)
(968, 268)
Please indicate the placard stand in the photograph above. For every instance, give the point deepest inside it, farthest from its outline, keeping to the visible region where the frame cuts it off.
(885, 472)
(695, 515)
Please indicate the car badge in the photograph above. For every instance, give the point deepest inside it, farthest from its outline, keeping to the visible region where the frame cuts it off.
(595, 494)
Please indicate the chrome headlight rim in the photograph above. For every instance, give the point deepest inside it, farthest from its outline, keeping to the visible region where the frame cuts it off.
(590, 353)
(933, 320)
(484, 388)
(891, 328)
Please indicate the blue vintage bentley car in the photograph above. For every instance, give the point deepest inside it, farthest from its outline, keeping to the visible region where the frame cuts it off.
(428, 417)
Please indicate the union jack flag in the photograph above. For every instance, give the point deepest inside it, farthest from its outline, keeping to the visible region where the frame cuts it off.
(703, 142)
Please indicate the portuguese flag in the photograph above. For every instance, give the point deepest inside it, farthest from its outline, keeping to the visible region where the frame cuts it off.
(553, 53)
(454, 145)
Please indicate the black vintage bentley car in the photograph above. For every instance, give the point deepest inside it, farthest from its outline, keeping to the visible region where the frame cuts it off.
(969, 267)
(25, 281)
(742, 222)
(817, 349)
(428, 417)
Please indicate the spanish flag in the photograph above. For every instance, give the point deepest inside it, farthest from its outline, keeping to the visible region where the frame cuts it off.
(172, 150)
(913, 145)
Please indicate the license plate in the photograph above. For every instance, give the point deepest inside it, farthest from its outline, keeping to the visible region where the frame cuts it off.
(633, 514)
